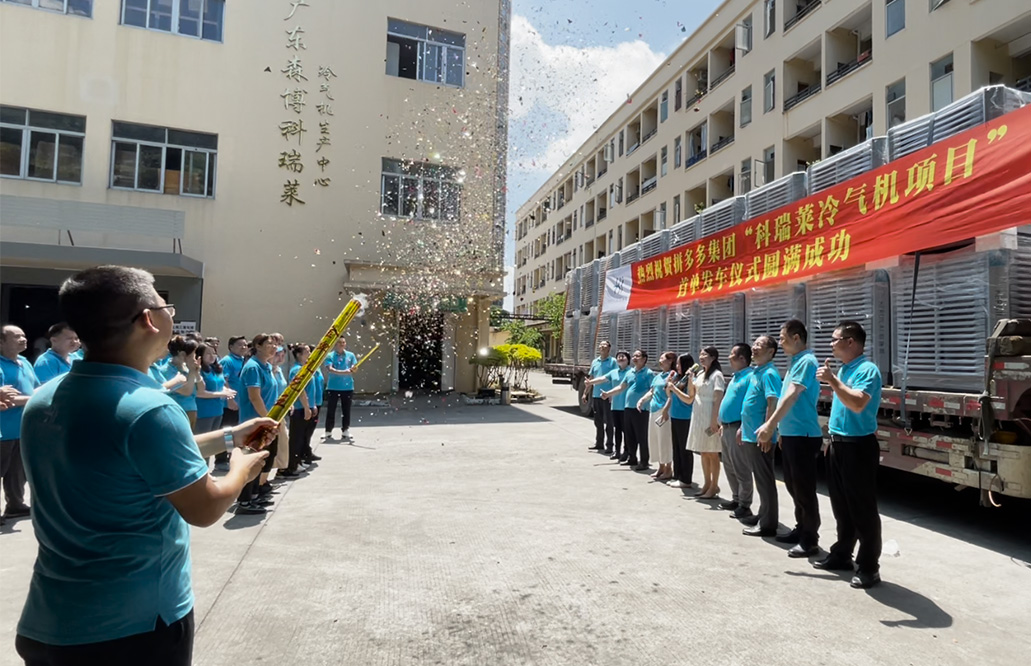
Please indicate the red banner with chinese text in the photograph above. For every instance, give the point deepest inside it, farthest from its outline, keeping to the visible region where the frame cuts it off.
(969, 185)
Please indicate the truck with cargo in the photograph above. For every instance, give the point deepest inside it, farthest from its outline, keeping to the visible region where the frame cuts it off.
(949, 326)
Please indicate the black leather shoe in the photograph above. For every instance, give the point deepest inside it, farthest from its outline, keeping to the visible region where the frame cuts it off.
(742, 512)
(595, 448)
(17, 512)
(729, 506)
(642, 467)
(750, 520)
(864, 580)
(799, 551)
(834, 563)
(629, 463)
(757, 531)
(313, 458)
(790, 537)
(615, 456)
(249, 509)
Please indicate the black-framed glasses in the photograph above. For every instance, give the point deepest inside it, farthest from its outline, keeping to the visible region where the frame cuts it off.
(169, 307)
(835, 340)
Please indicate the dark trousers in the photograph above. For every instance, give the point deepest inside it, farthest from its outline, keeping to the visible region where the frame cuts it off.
(13, 472)
(799, 457)
(300, 437)
(344, 398)
(852, 482)
(166, 645)
(602, 424)
(230, 417)
(307, 453)
(635, 435)
(616, 417)
(765, 485)
(683, 459)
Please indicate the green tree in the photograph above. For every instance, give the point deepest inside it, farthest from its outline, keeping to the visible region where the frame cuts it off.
(553, 310)
(521, 334)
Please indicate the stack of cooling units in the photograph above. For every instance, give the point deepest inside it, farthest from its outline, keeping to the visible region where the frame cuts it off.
(571, 324)
(937, 339)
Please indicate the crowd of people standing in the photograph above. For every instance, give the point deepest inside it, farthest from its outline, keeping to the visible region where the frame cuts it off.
(686, 408)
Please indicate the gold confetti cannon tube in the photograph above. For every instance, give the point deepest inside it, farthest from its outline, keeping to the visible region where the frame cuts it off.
(364, 358)
(296, 386)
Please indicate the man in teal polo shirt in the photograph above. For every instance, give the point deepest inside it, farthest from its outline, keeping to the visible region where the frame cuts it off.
(760, 401)
(737, 460)
(801, 437)
(339, 367)
(17, 372)
(636, 383)
(57, 360)
(600, 369)
(854, 456)
(116, 479)
(232, 366)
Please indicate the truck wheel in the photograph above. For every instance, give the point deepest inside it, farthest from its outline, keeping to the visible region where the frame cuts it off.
(586, 408)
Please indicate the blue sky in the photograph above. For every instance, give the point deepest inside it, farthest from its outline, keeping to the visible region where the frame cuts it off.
(573, 63)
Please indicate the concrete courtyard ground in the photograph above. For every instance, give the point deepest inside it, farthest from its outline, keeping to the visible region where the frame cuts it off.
(489, 535)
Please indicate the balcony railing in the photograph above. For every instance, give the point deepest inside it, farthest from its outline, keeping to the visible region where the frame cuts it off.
(795, 100)
(721, 78)
(691, 161)
(846, 68)
(632, 196)
(690, 102)
(589, 223)
(722, 143)
(632, 148)
(603, 172)
(602, 214)
(650, 134)
(801, 14)
(649, 185)
(1024, 84)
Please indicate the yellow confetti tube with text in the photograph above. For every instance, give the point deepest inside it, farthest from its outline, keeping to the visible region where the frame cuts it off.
(363, 359)
(297, 385)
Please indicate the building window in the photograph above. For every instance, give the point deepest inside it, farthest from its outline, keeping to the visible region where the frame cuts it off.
(743, 35)
(74, 7)
(769, 91)
(663, 161)
(425, 54)
(168, 161)
(744, 179)
(678, 94)
(191, 18)
(769, 17)
(935, 4)
(895, 16)
(661, 214)
(621, 142)
(664, 107)
(420, 190)
(895, 95)
(746, 106)
(39, 145)
(676, 209)
(769, 165)
(677, 152)
(941, 83)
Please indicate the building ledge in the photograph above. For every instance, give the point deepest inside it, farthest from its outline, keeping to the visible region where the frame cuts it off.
(71, 257)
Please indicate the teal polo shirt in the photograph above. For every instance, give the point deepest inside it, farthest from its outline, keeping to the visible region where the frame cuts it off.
(209, 407)
(187, 402)
(600, 368)
(343, 361)
(50, 365)
(734, 396)
(862, 374)
(22, 377)
(318, 380)
(678, 409)
(638, 382)
(764, 383)
(309, 390)
(232, 366)
(258, 375)
(616, 377)
(103, 446)
(802, 420)
(659, 396)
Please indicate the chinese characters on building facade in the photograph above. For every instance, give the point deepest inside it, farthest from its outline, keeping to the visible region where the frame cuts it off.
(304, 141)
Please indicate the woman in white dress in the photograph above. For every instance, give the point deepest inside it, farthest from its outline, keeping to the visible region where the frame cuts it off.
(704, 436)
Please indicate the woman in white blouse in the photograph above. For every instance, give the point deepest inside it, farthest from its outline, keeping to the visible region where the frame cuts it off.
(704, 436)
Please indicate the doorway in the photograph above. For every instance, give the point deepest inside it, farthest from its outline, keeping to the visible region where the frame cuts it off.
(420, 343)
(34, 309)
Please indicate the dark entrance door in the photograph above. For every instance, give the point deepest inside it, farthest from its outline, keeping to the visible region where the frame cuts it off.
(34, 310)
(419, 356)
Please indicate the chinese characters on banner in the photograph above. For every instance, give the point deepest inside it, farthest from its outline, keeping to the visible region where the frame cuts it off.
(975, 183)
(295, 98)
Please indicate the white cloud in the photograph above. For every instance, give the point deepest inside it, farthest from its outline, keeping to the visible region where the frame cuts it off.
(578, 87)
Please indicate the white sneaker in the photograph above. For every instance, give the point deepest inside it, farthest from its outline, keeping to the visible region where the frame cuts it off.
(675, 483)
(346, 434)
(302, 466)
